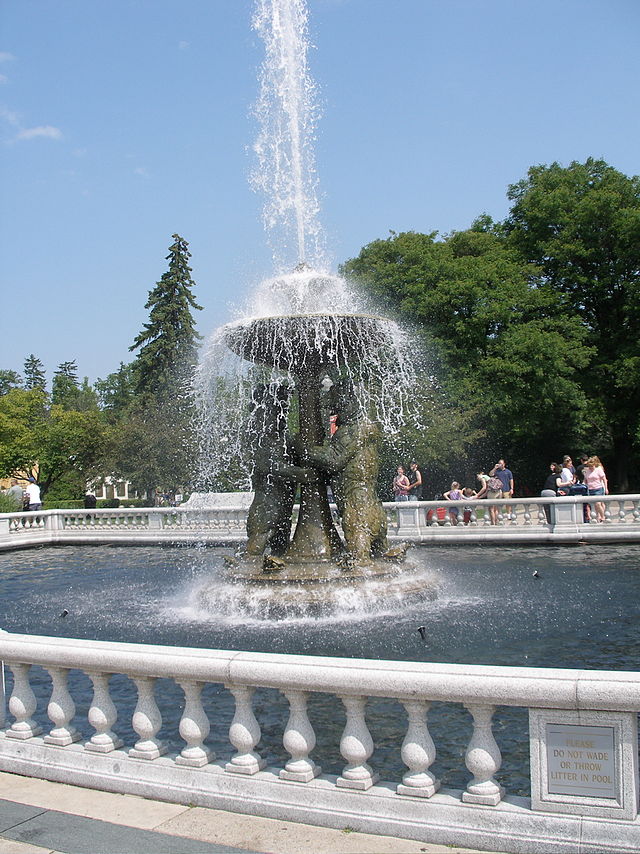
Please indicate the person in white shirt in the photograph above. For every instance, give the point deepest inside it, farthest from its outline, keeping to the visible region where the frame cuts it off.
(33, 491)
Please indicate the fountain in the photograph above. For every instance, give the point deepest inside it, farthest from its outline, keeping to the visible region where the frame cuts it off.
(318, 362)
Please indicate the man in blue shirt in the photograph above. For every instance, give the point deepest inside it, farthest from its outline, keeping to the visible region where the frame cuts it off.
(505, 476)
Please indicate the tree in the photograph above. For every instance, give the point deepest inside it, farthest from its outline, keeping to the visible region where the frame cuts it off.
(496, 341)
(581, 225)
(117, 391)
(158, 447)
(8, 380)
(65, 388)
(168, 343)
(34, 374)
(50, 441)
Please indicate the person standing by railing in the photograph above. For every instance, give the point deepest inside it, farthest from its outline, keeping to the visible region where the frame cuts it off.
(550, 488)
(33, 491)
(505, 476)
(401, 485)
(415, 479)
(597, 484)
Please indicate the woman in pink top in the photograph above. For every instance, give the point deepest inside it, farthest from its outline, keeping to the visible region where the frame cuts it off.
(596, 480)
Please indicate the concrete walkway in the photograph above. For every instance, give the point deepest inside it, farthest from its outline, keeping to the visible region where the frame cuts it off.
(39, 817)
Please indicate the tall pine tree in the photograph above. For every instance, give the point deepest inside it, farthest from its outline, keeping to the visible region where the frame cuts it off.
(168, 343)
(157, 446)
(34, 375)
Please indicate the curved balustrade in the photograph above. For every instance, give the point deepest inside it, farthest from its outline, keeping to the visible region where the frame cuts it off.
(194, 775)
(542, 520)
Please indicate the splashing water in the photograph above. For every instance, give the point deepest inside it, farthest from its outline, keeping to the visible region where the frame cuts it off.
(287, 112)
(314, 320)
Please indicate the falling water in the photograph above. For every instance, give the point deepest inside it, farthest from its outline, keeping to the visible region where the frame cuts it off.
(287, 112)
(304, 303)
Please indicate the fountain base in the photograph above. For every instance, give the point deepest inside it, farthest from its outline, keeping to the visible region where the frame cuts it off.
(303, 589)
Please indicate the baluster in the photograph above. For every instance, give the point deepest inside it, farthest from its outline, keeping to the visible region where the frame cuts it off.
(146, 721)
(356, 746)
(473, 520)
(102, 716)
(621, 513)
(527, 515)
(418, 753)
(244, 734)
(636, 511)
(194, 727)
(483, 759)
(61, 710)
(22, 704)
(607, 513)
(299, 740)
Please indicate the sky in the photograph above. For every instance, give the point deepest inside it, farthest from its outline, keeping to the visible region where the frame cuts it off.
(123, 122)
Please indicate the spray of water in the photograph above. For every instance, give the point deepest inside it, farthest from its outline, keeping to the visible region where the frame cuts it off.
(287, 112)
(302, 316)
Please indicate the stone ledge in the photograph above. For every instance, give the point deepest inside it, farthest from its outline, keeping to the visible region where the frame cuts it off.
(443, 819)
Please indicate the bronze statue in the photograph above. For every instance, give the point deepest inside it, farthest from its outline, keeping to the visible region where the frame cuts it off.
(351, 458)
(275, 475)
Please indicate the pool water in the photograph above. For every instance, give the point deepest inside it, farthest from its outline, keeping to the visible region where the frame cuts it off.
(581, 610)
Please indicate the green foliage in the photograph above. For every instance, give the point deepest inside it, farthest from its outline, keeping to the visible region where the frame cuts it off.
(581, 225)
(505, 360)
(116, 393)
(108, 503)
(34, 374)
(7, 504)
(154, 447)
(56, 443)
(168, 342)
(8, 380)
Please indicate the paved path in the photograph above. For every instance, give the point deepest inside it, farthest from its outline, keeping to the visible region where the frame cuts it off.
(38, 817)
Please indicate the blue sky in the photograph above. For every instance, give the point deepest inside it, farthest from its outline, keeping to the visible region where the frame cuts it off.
(124, 121)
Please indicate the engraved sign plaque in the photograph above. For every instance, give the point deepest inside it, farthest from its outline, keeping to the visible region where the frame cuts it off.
(580, 760)
(584, 762)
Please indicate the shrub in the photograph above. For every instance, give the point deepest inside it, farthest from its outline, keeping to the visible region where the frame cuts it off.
(8, 505)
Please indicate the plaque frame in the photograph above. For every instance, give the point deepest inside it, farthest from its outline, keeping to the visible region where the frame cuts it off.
(624, 726)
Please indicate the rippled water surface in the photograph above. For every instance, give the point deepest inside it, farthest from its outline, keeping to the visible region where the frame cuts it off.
(581, 611)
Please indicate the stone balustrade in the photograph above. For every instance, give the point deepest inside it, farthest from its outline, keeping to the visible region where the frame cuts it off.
(517, 520)
(415, 805)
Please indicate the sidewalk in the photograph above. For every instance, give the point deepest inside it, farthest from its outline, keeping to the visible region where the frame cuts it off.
(39, 817)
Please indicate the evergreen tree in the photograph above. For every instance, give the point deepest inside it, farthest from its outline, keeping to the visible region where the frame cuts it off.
(34, 375)
(65, 388)
(168, 343)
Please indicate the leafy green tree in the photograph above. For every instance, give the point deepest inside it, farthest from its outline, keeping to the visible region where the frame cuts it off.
(153, 449)
(23, 418)
(168, 343)
(51, 441)
(116, 393)
(497, 342)
(581, 225)
(34, 373)
(8, 380)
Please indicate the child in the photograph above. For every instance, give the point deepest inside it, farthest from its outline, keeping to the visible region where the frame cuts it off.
(454, 494)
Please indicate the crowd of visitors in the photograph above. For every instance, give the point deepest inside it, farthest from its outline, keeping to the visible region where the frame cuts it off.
(587, 478)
